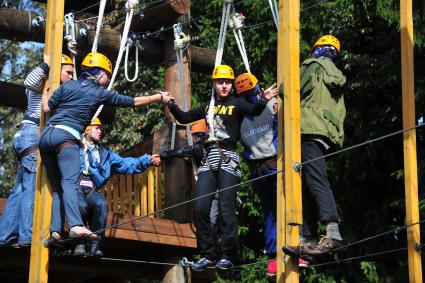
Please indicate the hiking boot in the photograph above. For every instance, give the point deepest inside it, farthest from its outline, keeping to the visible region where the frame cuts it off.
(271, 267)
(326, 245)
(224, 264)
(201, 264)
(81, 232)
(298, 251)
(303, 263)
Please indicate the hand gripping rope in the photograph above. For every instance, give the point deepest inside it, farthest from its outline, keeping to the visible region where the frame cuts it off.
(228, 4)
(130, 5)
(70, 38)
(236, 24)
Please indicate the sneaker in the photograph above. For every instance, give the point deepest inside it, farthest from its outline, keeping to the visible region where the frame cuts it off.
(201, 264)
(53, 241)
(326, 245)
(224, 264)
(271, 267)
(303, 263)
(81, 232)
(298, 251)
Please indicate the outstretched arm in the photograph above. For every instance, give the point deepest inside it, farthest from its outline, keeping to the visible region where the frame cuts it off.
(146, 100)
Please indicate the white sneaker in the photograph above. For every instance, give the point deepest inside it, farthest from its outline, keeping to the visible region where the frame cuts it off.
(81, 232)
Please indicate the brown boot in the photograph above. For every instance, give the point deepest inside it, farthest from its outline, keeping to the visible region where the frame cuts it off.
(298, 251)
(326, 245)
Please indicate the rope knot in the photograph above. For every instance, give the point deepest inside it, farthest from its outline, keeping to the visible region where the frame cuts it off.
(237, 21)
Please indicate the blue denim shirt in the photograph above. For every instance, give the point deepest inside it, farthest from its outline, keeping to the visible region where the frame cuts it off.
(111, 163)
(75, 103)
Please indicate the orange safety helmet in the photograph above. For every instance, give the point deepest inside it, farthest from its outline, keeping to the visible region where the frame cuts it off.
(244, 82)
(199, 127)
(328, 40)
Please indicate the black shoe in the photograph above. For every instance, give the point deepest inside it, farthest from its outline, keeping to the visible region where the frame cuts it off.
(201, 264)
(97, 254)
(80, 250)
(224, 264)
(94, 249)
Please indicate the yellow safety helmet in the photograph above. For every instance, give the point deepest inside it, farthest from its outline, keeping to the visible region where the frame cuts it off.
(328, 40)
(96, 122)
(244, 82)
(66, 60)
(223, 72)
(199, 127)
(97, 60)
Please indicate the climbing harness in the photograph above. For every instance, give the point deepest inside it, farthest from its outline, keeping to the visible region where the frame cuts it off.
(275, 12)
(70, 38)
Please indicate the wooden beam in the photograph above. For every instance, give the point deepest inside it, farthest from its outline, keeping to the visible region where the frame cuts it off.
(39, 262)
(409, 142)
(75, 6)
(289, 203)
(14, 25)
(13, 95)
(178, 172)
(168, 11)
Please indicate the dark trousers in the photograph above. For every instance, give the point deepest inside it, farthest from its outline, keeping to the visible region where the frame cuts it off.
(63, 170)
(316, 190)
(208, 182)
(94, 210)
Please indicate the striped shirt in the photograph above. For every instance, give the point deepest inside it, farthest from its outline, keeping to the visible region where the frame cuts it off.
(34, 83)
(213, 158)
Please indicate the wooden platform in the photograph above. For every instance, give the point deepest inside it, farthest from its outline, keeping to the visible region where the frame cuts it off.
(127, 250)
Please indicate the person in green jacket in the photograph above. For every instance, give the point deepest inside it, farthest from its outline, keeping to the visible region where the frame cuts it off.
(322, 129)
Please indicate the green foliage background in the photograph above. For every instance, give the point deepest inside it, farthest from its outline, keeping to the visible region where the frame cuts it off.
(367, 182)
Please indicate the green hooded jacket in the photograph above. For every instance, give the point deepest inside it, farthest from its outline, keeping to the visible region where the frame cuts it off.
(322, 103)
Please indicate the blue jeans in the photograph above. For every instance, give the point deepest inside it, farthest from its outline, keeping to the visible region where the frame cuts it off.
(63, 170)
(16, 223)
(94, 209)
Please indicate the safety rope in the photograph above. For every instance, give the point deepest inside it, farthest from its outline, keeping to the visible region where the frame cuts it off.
(98, 25)
(71, 39)
(275, 12)
(131, 43)
(236, 24)
(228, 4)
(130, 10)
(181, 41)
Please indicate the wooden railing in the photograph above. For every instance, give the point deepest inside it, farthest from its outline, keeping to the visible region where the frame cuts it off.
(135, 195)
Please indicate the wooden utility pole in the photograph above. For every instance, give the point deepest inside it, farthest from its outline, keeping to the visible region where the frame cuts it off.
(409, 142)
(289, 202)
(39, 261)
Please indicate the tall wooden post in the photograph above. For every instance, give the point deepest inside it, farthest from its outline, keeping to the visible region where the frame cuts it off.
(177, 171)
(289, 204)
(39, 261)
(409, 142)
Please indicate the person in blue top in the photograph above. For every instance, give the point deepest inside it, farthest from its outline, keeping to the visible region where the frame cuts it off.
(74, 104)
(98, 163)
